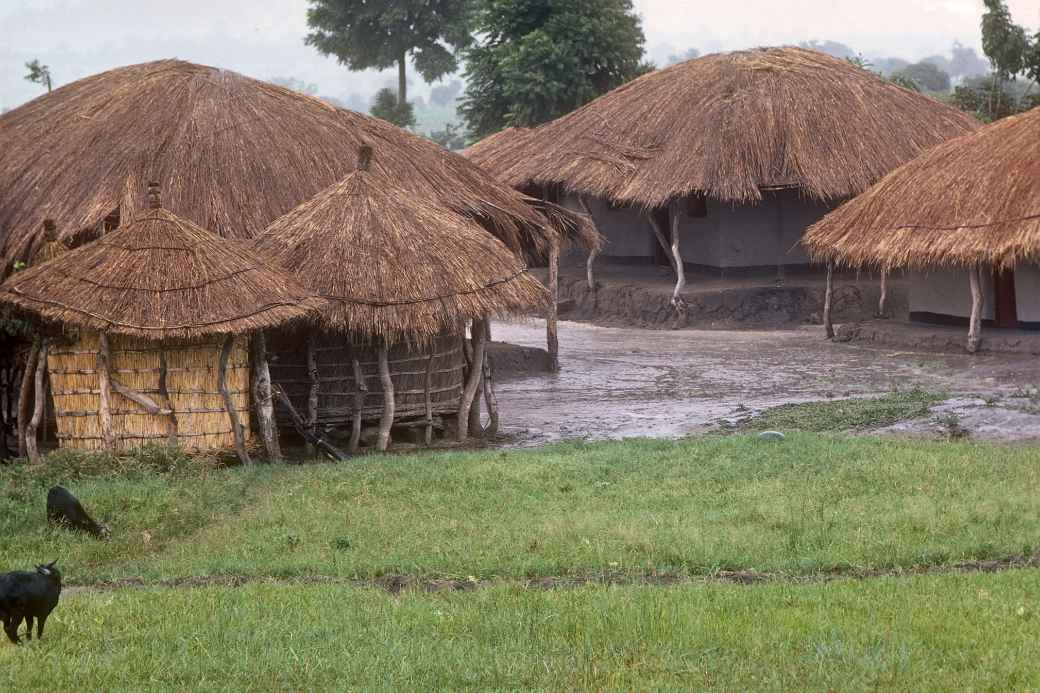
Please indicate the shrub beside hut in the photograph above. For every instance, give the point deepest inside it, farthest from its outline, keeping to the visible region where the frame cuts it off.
(720, 163)
(964, 218)
(401, 273)
(144, 336)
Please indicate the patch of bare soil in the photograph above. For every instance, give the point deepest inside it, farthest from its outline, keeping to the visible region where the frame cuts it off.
(398, 584)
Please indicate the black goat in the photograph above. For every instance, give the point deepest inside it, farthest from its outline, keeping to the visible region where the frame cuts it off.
(27, 595)
(65, 510)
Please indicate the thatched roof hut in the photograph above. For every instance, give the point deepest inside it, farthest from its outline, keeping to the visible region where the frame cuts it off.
(145, 333)
(503, 154)
(234, 154)
(970, 203)
(398, 270)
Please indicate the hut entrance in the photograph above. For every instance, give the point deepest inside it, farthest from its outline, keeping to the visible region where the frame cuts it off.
(1005, 308)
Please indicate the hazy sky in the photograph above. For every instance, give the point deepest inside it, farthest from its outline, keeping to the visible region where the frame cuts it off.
(264, 38)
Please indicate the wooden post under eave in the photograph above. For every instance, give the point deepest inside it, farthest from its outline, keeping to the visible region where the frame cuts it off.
(25, 399)
(104, 369)
(386, 422)
(884, 294)
(594, 252)
(489, 386)
(552, 337)
(360, 390)
(975, 324)
(263, 399)
(428, 432)
(39, 404)
(165, 402)
(678, 302)
(663, 241)
(229, 405)
(828, 297)
(312, 394)
(472, 381)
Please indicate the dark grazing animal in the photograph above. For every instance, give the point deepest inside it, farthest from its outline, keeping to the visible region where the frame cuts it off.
(64, 509)
(26, 595)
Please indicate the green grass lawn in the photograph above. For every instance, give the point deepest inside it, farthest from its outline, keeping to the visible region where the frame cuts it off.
(806, 505)
(862, 413)
(941, 633)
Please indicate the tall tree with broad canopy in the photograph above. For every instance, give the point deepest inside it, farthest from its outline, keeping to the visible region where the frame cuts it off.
(378, 34)
(536, 60)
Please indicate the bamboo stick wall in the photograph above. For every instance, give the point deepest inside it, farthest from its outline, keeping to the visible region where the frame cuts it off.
(202, 422)
(337, 386)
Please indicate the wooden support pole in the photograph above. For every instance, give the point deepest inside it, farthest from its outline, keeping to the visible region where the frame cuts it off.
(165, 402)
(489, 386)
(884, 295)
(360, 390)
(472, 381)
(828, 298)
(552, 337)
(678, 301)
(104, 369)
(39, 404)
(594, 252)
(229, 405)
(663, 241)
(386, 422)
(263, 400)
(975, 324)
(428, 433)
(25, 400)
(474, 408)
(319, 443)
(312, 394)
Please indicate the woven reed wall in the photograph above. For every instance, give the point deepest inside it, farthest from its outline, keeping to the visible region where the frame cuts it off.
(202, 423)
(336, 384)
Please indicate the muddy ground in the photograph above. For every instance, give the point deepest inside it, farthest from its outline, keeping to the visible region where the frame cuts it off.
(625, 382)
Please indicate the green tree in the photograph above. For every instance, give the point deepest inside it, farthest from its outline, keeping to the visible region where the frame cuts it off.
(1011, 52)
(39, 74)
(387, 106)
(378, 34)
(926, 75)
(539, 59)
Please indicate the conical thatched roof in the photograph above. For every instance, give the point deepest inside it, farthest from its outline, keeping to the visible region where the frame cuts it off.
(158, 278)
(395, 264)
(233, 154)
(972, 200)
(729, 125)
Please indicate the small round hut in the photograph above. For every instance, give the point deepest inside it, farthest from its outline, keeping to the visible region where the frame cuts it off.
(964, 218)
(145, 335)
(401, 273)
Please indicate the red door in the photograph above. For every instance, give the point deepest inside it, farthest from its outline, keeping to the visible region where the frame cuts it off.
(1006, 313)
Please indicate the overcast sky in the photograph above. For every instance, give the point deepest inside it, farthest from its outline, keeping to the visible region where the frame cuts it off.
(264, 38)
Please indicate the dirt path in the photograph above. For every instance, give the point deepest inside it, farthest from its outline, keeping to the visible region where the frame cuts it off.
(396, 584)
(623, 382)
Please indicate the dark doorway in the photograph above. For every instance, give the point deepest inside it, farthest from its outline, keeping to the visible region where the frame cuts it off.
(1005, 310)
(664, 222)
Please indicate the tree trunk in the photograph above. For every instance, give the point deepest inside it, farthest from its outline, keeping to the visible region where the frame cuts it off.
(594, 252)
(884, 294)
(489, 386)
(360, 390)
(472, 381)
(39, 405)
(25, 395)
(229, 405)
(402, 80)
(474, 408)
(312, 395)
(663, 241)
(678, 302)
(104, 369)
(552, 337)
(976, 310)
(828, 298)
(386, 422)
(264, 400)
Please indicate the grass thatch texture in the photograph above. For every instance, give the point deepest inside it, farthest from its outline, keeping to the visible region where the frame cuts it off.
(202, 422)
(337, 386)
(231, 153)
(728, 125)
(156, 278)
(972, 200)
(502, 154)
(396, 265)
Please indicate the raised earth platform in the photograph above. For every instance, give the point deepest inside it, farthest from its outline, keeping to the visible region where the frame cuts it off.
(641, 297)
(936, 338)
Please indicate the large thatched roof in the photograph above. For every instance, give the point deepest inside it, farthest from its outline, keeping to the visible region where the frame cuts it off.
(159, 277)
(728, 126)
(972, 200)
(396, 264)
(233, 154)
(502, 154)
